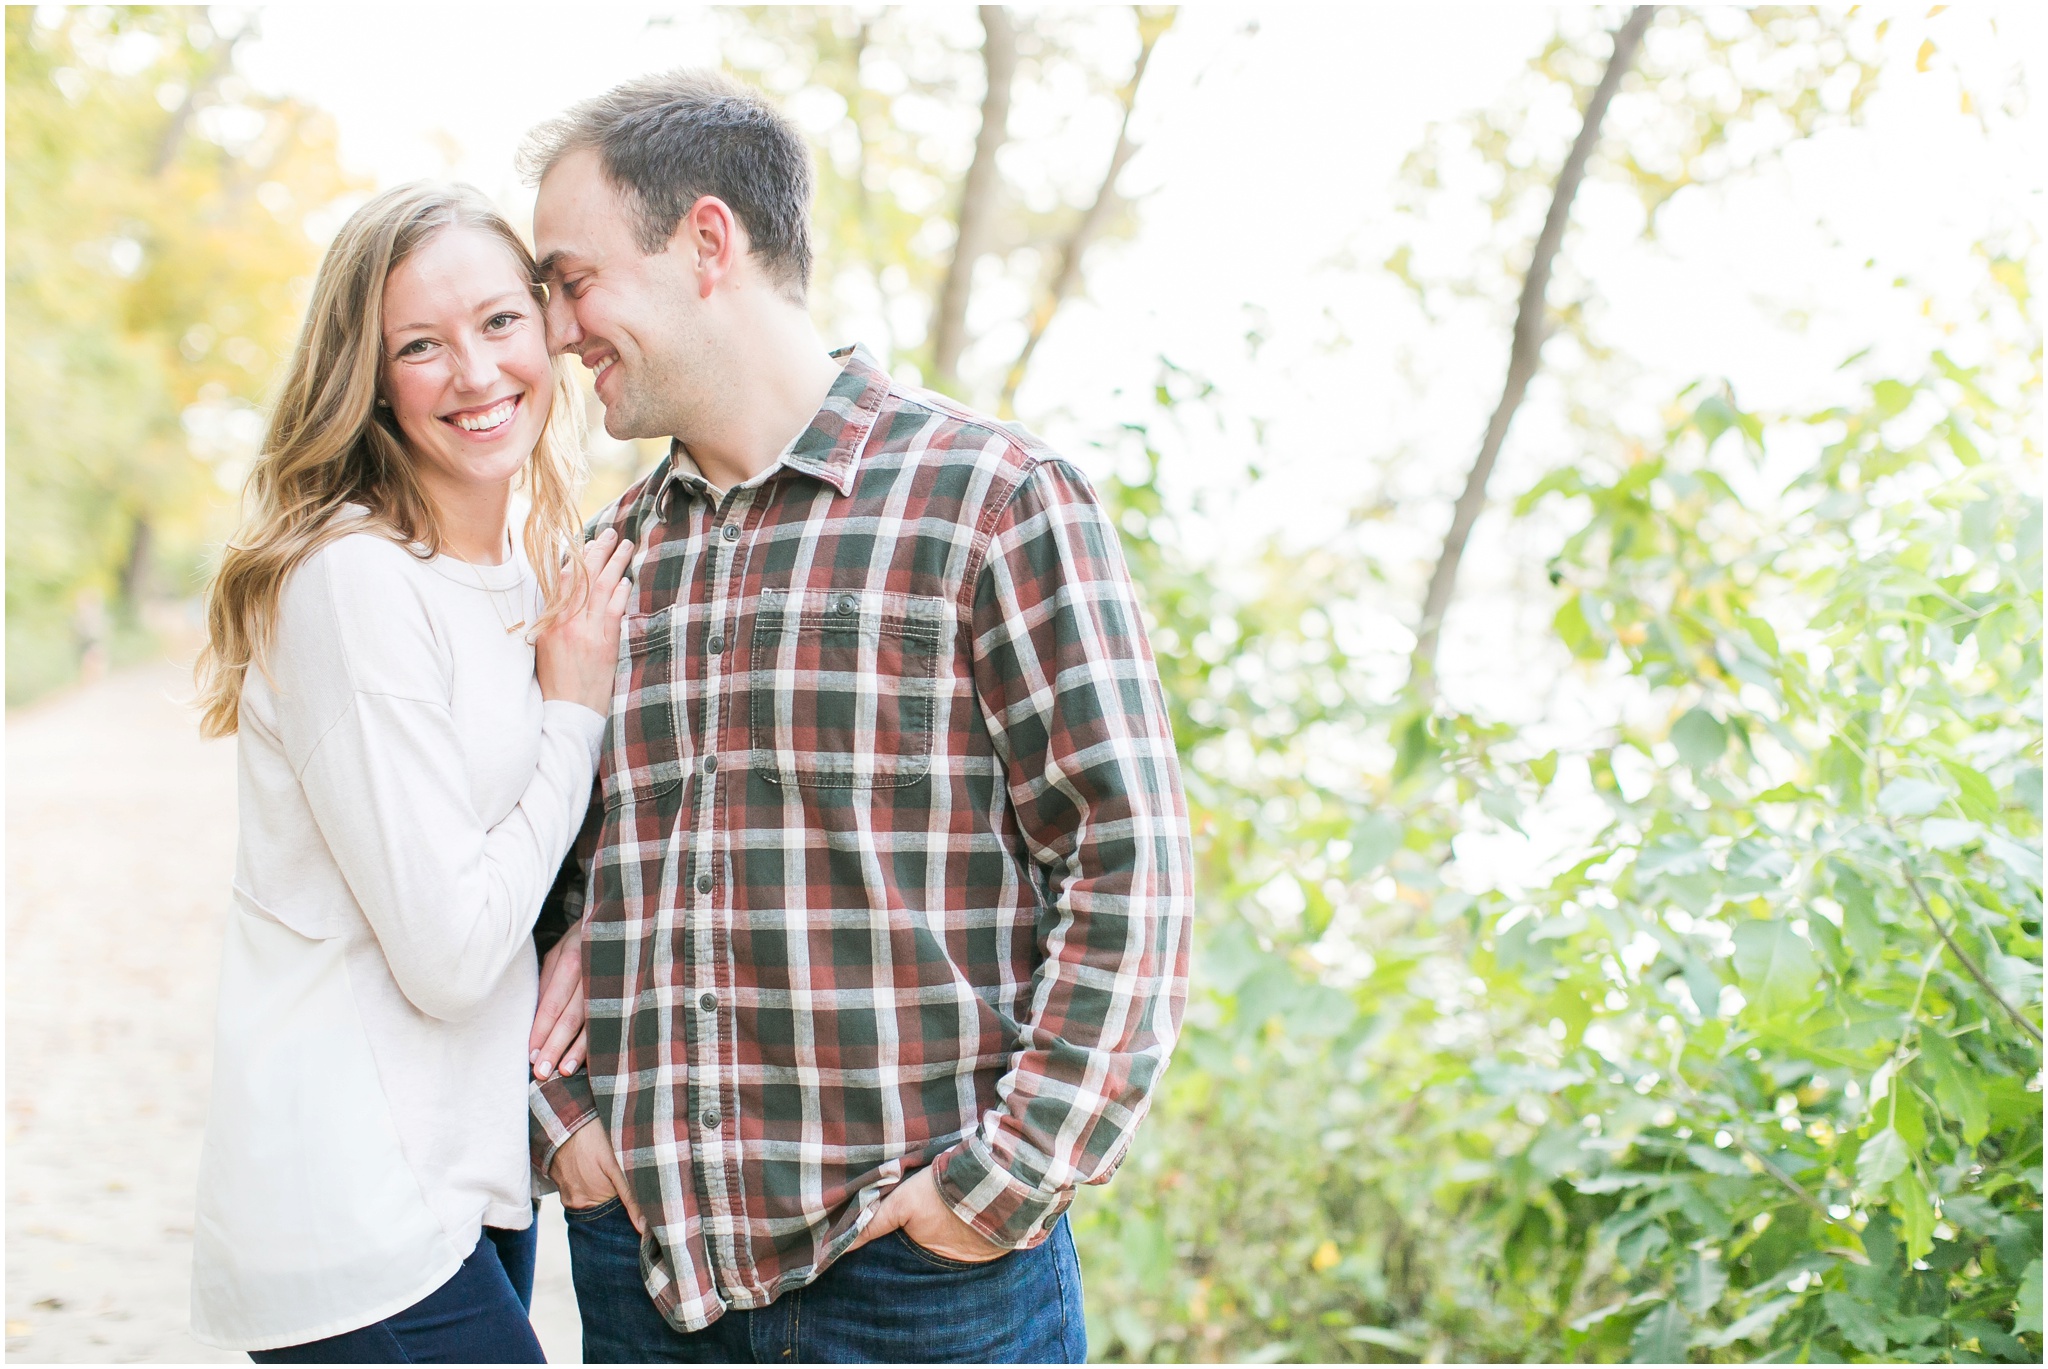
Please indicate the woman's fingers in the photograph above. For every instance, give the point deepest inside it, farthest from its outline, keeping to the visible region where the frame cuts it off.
(561, 979)
(612, 573)
(578, 1052)
(565, 1045)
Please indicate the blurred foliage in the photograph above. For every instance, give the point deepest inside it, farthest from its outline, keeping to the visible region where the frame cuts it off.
(1743, 1074)
(157, 256)
(1753, 1071)
(1718, 1089)
(890, 97)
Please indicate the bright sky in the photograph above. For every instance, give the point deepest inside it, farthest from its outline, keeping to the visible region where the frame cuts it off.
(1268, 153)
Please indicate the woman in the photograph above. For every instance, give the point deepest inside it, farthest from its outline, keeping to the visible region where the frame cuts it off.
(419, 707)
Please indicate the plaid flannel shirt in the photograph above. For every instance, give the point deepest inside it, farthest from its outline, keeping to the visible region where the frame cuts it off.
(888, 863)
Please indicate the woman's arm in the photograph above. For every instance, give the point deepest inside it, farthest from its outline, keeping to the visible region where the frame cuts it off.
(451, 901)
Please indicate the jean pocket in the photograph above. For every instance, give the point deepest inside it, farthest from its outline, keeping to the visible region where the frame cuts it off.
(946, 1262)
(592, 1214)
(844, 687)
(643, 744)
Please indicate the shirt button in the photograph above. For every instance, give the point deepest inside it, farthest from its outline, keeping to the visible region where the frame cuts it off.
(710, 1119)
(731, 532)
(708, 1002)
(716, 644)
(847, 605)
(710, 764)
(703, 884)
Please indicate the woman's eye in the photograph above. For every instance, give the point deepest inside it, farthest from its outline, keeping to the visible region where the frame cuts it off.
(497, 322)
(417, 347)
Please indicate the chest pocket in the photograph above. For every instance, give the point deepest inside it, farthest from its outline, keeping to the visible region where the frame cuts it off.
(845, 687)
(643, 743)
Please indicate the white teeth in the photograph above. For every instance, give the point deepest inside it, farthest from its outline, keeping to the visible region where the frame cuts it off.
(601, 368)
(489, 418)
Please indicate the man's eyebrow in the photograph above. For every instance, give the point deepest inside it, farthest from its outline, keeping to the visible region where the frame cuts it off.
(552, 262)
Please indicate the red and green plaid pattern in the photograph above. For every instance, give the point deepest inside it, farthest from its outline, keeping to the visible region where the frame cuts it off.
(888, 864)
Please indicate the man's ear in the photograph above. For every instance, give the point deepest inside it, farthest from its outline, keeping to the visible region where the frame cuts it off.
(711, 242)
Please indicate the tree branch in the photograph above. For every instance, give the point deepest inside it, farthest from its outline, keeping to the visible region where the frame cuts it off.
(1152, 26)
(977, 198)
(1963, 957)
(218, 62)
(1523, 356)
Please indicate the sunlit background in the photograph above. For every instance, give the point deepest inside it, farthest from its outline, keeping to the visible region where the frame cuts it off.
(1653, 972)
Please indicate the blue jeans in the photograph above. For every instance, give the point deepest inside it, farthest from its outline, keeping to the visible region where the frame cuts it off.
(477, 1317)
(890, 1301)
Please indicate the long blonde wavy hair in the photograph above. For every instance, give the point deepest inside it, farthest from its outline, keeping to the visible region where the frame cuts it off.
(329, 445)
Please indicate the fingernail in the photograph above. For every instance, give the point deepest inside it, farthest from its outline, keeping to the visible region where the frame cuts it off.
(568, 1067)
(532, 1056)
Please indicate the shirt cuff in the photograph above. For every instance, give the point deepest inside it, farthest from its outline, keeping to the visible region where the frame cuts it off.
(585, 724)
(559, 1108)
(1003, 1208)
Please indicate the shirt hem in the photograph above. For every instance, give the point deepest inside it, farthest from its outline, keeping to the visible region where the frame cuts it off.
(353, 1321)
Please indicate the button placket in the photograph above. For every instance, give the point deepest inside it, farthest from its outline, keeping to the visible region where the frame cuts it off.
(717, 1159)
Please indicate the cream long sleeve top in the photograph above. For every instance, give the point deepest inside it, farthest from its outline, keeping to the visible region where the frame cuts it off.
(405, 799)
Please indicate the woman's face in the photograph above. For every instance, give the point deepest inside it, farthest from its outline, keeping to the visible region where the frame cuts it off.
(465, 362)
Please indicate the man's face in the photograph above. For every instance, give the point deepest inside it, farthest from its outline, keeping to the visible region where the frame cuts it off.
(635, 320)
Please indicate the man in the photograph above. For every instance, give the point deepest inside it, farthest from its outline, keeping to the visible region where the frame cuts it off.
(884, 901)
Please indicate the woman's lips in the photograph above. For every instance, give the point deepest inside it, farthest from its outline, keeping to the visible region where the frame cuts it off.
(486, 420)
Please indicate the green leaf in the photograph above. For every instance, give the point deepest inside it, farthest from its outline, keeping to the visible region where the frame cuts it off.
(1660, 1337)
(1700, 738)
(1975, 793)
(1502, 807)
(1958, 1094)
(1775, 966)
(1916, 1214)
(1702, 1282)
(2029, 1318)
(1373, 843)
(1860, 927)
(1910, 798)
(1882, 1157)
(1858, 1322)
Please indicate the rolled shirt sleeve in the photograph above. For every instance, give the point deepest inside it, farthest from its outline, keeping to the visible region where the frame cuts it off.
(1071, 697)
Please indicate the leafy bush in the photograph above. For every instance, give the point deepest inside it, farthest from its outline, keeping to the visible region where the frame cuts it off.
(1756, 1072)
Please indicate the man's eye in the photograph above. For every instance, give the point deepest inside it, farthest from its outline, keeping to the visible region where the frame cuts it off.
(573, 288)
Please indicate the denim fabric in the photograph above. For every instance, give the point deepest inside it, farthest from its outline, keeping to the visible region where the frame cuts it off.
(477, 1317)
(891, 1301)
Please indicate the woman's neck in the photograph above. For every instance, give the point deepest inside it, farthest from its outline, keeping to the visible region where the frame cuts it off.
(474, 521)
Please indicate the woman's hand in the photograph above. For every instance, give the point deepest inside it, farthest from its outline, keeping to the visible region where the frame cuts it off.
(578, 655)
(559, 1041)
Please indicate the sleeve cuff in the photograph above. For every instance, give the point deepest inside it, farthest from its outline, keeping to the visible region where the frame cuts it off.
(585, 724)
(1003, 1208)
(557, 1109)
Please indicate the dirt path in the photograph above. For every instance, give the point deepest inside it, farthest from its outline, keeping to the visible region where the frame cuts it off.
(120, 843)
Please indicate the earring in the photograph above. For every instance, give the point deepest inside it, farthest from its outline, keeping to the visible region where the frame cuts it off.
(383, 403)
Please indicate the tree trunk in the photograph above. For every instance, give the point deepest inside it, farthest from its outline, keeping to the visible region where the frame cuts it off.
(977, 198)
(220, 60)
(1152, 26)
(1531, 326)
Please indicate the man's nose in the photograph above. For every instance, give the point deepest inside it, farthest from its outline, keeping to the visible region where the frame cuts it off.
(562, 329)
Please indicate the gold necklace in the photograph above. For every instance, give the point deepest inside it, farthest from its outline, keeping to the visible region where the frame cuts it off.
(491, 595)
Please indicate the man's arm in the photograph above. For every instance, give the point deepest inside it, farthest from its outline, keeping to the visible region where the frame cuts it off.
(561, 1103)
(1066, 682)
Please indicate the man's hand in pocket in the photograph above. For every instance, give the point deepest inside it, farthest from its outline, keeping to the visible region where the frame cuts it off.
(916, 1208)
(587, 1173)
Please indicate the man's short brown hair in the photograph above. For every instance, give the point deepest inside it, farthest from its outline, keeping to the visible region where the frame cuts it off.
(670, 139)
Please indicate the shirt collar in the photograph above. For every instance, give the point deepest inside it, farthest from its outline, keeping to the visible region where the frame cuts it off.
(827, 450)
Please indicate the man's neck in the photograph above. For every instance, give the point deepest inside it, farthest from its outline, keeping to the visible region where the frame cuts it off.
(777, 380)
